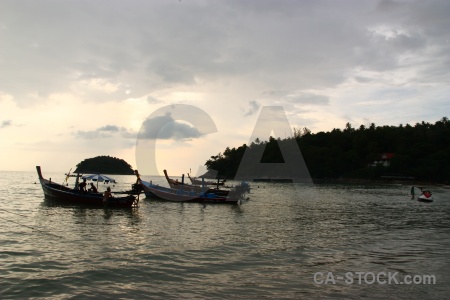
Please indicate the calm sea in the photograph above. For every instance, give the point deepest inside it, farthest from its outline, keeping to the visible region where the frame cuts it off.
(287, 241)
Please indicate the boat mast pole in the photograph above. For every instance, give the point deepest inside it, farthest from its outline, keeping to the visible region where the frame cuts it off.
(76, 182)
(182, 182)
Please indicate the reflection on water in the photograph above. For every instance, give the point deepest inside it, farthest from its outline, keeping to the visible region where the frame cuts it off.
(271, 246)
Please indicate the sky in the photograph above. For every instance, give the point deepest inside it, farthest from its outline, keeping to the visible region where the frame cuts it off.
(84, 78)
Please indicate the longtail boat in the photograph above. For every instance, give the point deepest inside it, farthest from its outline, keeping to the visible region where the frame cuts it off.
(68, 195)
(197, 181)
(181, 195)
(181, 185)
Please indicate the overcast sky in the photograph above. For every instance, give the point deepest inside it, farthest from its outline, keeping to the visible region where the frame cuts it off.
(79, 78)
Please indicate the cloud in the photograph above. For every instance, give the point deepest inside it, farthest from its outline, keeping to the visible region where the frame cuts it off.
(254, 108)
(112, 51)
(165, 127)
(92, 134)
(153, 100)
(127, 134)
(110, 128)
(308, 98)
(6, 123)
(235, 42)
(291, 99)
(299, 45)
(172, 73)
(107, 131)
(323, 61)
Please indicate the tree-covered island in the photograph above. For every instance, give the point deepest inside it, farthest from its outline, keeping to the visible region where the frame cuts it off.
(419, 152)
(104, 164)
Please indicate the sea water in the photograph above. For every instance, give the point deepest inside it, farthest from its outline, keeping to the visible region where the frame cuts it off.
(287, 241)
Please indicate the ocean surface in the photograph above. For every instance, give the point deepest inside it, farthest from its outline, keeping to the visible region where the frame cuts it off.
(286, 242)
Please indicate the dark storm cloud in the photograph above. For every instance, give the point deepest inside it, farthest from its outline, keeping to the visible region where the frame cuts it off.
(137, 47)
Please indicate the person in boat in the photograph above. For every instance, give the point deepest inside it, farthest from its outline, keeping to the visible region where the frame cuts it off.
(82, 185)
(93, 189)
(107, 194)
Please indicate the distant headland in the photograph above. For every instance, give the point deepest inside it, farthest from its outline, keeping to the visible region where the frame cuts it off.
(106, 165)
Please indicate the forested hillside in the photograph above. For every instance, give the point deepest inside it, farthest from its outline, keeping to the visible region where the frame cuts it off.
(421, 151)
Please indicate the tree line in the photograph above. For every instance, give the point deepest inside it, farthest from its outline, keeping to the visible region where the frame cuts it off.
(420, 151)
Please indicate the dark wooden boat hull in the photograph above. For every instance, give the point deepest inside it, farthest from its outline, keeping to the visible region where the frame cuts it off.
(64, 194)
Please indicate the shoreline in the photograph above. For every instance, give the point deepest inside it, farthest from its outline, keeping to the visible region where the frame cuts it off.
(401, 181)
(381, 181)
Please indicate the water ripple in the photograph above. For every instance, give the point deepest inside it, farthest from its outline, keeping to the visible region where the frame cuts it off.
(270, 247)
